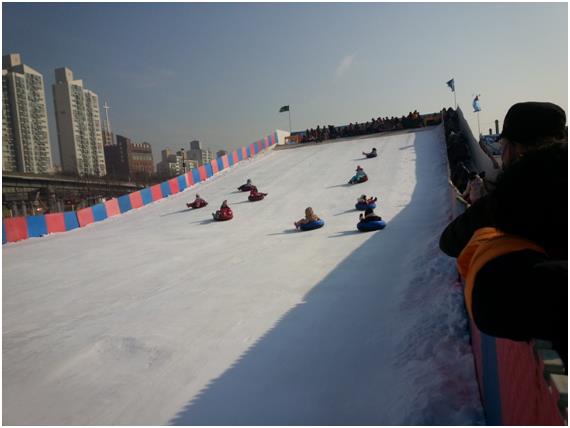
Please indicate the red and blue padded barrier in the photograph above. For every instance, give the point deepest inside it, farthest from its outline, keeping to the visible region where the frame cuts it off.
(220, 163)
(136, 199)
(252, 148)
(235, 157)
(16, 228)
(512, 384)
(146, 195)
(203, 173)
(173, 186)
(112, 207)
(225, 162)
(165, 189)
(71, 221)
(55, 222)
(213, 164)
(189, 178)
(125, 203)
(36, 225)
(85, 216)
(99, 212)
(248, 151)
(209, 171)
(240, 155)
(156, 192)
(196, 175)
(182, 182)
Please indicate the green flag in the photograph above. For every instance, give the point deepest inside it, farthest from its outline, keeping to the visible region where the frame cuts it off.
(284, 108)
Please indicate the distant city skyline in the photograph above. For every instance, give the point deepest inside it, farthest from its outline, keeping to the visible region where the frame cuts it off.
(219, 73)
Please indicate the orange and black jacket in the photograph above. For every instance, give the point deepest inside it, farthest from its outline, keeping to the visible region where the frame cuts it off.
(514, 290)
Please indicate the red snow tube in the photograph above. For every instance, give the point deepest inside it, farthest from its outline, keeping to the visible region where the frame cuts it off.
(196, 205)
(257, 197)
(245, 187)
(223, 216)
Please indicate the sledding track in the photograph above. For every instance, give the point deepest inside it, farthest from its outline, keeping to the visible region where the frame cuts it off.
(161, 316)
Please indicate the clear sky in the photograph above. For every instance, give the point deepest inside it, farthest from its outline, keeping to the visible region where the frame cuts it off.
(219, 72)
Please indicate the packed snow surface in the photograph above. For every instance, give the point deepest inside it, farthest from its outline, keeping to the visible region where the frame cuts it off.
(162, 316)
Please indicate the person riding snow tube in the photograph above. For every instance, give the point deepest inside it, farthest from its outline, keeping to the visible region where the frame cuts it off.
(364, 203)
(310, 221)
(247, 186)
(197, 203)
(372, 154)
(224, 213)
(359, 177)
(254, 195)
(370, 221)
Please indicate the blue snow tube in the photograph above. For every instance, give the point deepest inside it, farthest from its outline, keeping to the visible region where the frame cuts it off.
(362, 207)
(312, 225)
(371, 225)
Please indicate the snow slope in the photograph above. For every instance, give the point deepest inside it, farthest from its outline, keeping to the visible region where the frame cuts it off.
(161, 316)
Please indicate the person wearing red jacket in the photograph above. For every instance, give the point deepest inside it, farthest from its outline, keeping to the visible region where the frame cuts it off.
(224, 213)
(197, 203)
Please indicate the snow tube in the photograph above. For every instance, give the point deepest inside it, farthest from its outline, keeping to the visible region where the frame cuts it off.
(362, 180)
(257, 197)
(370, 155)
(312, 225)
(371, 225)
(363, 207)
(223, 218)
(196, 206)
(245, 187)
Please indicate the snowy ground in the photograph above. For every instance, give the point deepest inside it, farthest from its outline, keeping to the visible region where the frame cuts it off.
(161, 316)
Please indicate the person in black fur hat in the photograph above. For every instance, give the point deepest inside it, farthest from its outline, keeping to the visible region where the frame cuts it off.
(527, 126)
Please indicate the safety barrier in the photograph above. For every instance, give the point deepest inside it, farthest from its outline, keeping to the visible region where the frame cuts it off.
(520, 383)
(19, 228)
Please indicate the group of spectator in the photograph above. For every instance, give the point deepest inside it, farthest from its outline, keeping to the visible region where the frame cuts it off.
(412, 120)
(511, 244)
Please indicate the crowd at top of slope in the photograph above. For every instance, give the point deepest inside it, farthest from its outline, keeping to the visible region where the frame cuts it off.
(330, 132)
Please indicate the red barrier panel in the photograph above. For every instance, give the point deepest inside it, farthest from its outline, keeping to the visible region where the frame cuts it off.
(525, 396)
(85, 216)
(174, 187)
(252, 147)
(156, 192)
(136, 199)
(55, 222)
(265, 143)
(225, 161)
(244, 153)
(112, 207)
(215, 168)
(235, 156)
(16, 229)
(189, 179)
(203, 173)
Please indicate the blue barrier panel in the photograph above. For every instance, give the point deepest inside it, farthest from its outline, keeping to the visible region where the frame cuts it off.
(181, 182)
(124, 203)
(99, 212)
(240, 155)
(70, 219)
(165, 187)
(36, 225)
(3, 234)
(146, 195)
(209, 171)
(220, 164)
(230, 159)
(491, 387)
(248, 151)
(196, 175)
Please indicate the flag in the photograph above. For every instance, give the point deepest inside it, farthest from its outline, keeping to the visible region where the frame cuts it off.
(451, 84)
(284, 108)
(476, 105)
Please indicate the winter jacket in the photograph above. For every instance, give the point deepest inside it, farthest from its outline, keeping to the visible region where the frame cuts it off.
(514, 290)
(458, 233)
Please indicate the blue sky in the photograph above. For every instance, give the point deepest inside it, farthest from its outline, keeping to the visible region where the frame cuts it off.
(219, 72)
